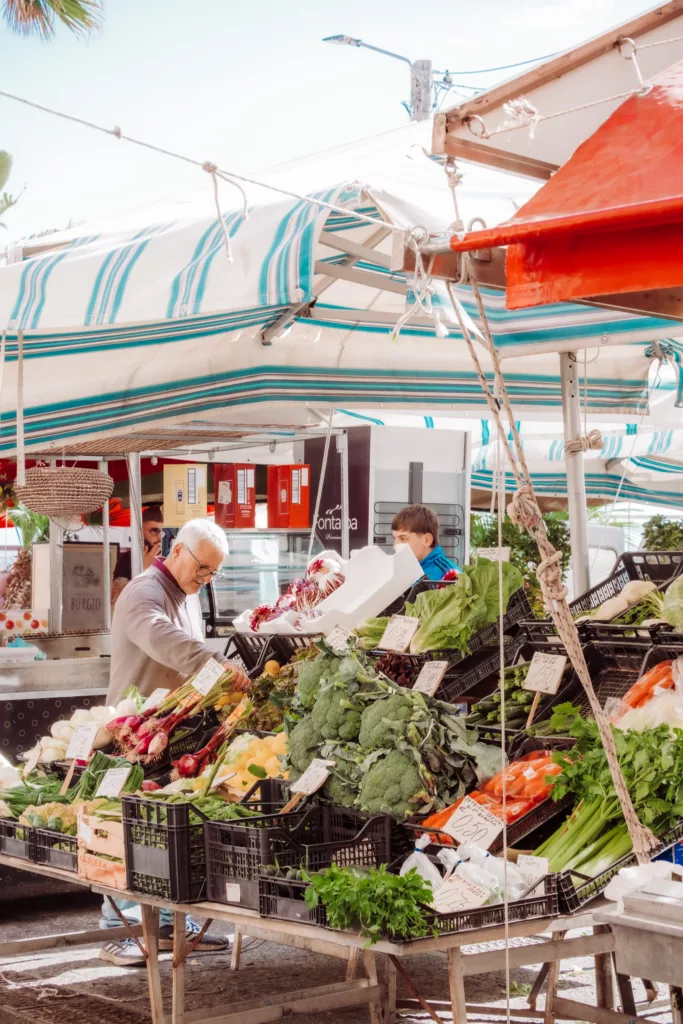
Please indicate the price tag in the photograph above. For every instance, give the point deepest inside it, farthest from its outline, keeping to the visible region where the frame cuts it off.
(532, 868)
(545, 672)
(208, 676)
(473, 824)
(155, 698)
(459, 893)
(113, 782)
(32, 760)
(494, 554)
(313, 778)
(399, 632)
(338, 638)
(80, 744)
(233, 893)
(429, 679)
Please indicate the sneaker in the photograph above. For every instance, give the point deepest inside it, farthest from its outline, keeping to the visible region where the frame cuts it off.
(192, 930)
(125, 953)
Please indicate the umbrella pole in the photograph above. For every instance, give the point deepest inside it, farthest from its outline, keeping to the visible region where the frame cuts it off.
(576, 483)
(106, 560)
(135, 484)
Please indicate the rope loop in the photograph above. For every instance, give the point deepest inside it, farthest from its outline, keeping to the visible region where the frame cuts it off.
(483, 132)
(524, 511)
(591, 442)
(549, 572)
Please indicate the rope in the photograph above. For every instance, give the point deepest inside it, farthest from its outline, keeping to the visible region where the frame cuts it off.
(524, 511)
(21, 449)
(452, 177)
(211, 169)
(591, 442)
(422, 290)
(318, 496)
(230, 176)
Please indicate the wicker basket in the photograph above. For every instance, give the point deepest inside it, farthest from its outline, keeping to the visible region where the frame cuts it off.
(63, 491)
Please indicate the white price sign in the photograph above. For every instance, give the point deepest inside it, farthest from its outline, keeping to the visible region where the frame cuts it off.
(494, 554)
(113, 782)
(471, 823)
(155, 698)
(430, 677)
(32, 760)
(338, 638)
(459, 894)
(233, 893)
(399, 632)
(208, 676)
(532, 868)
(80, 744)
(313, 778)
(545, 672)
(219, 780)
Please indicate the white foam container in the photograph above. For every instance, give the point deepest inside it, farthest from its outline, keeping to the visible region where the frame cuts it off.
(373, 580)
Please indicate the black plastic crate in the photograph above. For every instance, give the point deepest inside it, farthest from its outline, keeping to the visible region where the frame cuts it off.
(17, 840)
(576, 889)
(617, 631)
(540, 629)
(528, 908)
(286, 645)
(313, 839)
(284, 900)
(56, 849)
(250, 648)
(657, 566)
(662, 651)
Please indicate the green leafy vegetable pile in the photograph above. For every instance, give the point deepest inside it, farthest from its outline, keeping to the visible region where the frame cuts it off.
(376, 903)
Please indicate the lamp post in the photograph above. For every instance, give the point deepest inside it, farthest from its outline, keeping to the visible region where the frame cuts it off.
(420, 75)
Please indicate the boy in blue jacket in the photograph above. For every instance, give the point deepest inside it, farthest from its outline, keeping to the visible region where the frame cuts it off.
(418, 527)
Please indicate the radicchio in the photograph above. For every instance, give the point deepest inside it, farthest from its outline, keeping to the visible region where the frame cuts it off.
(264, 613)
(327, 574)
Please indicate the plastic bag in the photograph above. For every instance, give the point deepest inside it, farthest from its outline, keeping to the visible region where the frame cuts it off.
(422, 864)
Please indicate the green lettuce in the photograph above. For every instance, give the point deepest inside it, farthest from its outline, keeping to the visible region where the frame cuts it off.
(484, 576)
(672, 608)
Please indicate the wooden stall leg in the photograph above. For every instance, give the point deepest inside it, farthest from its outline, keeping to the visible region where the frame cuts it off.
(150, 930)
(604, 985)
(236, 950)
(371, 971)
(391, 993)
(352, 964)
(628, 1003)
(676, 995)
(179, 954)
(551, 988)
(456, 984)
(537, 986)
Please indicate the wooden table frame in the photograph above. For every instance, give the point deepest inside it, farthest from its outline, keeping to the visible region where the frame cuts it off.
(379, 996)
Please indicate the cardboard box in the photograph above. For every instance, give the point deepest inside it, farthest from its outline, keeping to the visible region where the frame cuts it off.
(235, 495)
(289, 497)
(96, 836)
(184, 493)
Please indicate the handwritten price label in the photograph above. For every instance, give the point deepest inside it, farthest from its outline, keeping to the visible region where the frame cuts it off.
(494, 554)
(313, 778)
(473, 824)
(399, 632)
(113, 782)
(459, 894)
(338, 638)
(208, 676)
(545, 672)
(80, 744)
(155, 698)
(430, 677)
(532, 869)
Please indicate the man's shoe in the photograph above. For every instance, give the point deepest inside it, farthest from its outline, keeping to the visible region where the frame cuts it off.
(192, 930)
(125, 953)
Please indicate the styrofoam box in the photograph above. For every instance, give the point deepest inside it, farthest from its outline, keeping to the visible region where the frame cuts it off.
(373, 580)
(15, 655)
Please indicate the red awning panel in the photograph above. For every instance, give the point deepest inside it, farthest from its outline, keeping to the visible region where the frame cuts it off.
(611, 219)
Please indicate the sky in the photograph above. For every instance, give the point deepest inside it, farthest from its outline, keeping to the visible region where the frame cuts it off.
(246, 85)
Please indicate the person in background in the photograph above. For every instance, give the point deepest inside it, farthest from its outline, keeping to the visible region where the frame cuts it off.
(157, 641)
(418, 527)
(152, 523)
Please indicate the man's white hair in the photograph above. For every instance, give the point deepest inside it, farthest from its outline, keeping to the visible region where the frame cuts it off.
(197, 530)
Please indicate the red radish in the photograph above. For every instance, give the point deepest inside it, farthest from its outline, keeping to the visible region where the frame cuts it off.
(148, 786)
(143, 745)
(158, 744)
(188, 765)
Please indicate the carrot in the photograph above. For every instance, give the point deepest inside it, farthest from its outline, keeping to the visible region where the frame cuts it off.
(641, 691)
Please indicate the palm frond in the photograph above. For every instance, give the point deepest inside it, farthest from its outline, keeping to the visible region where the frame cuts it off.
(39, 17)
(30, 526)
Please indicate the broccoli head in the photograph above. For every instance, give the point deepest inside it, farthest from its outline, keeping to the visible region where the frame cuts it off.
(335, 716)
(393, 785)
(385, 721)
(310, 675)
(339, 792)
(303, 743)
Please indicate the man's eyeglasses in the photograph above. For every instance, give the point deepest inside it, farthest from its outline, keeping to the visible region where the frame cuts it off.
(203, 571)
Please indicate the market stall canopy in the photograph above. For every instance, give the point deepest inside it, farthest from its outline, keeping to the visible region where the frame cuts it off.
(587, 80)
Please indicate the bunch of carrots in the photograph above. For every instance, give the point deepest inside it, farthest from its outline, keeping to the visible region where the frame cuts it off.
(644, 690)
(527, 783)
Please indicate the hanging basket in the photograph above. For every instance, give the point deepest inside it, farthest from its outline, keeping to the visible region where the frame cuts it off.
(64, 492)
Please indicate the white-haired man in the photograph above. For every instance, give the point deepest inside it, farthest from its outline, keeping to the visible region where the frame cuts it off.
(156, 640)
(156, 634)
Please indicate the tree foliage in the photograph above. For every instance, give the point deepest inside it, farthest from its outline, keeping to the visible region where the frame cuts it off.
(662, 534)
(40, 17)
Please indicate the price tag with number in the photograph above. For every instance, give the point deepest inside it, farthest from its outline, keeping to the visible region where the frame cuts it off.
(494, 554)
(338, 638)
(155, 698)
(80, 744)
(208, 676)
(545, 672)
(429, 679)
(459, 893)
(471, 823)
(532, 868)
(399, 632)
(313, 778)
(113, 782)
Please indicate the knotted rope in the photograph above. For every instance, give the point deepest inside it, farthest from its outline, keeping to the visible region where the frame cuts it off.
(524, 511)
(591, 442)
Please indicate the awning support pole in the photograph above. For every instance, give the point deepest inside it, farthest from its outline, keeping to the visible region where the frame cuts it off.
(343, 449)
(135, 485)
(106, 562)
(56, 537)
(576, 483)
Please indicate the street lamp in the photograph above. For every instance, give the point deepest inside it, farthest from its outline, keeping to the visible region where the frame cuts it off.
(420, 76)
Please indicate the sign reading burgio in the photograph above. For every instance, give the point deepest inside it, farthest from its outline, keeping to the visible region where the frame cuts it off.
(473, 824)
(545, 672)
(184, 493)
